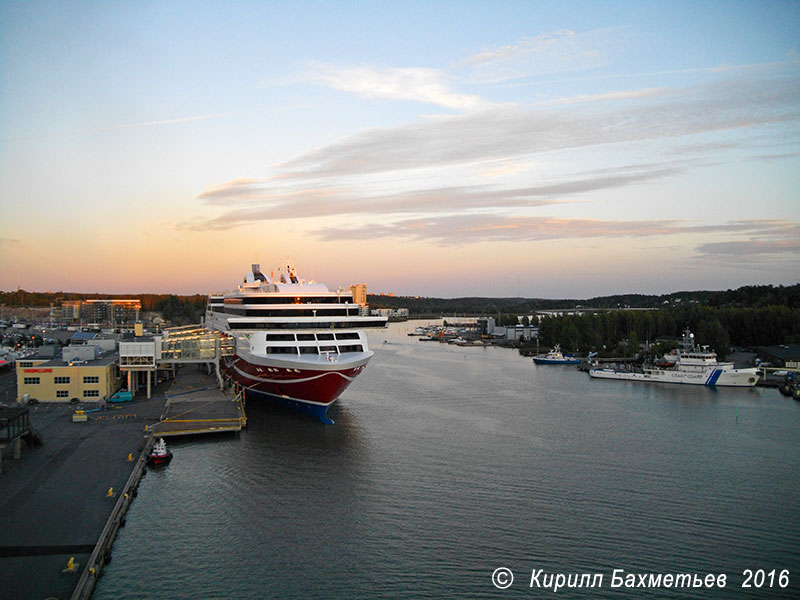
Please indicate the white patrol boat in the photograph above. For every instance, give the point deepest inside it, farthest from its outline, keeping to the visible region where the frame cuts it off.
(693, 366)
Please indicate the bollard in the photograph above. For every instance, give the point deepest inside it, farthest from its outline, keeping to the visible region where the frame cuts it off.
(111, 493)
(72, 566)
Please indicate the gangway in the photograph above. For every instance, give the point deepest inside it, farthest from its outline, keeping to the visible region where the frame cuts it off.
(176, 345)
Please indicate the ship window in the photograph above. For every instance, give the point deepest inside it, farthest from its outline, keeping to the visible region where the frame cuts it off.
(353, 348)
(305, 337)
(280, 337)
(347, 336)
(324, 336)
(281, 350)
(308, 350)
(327, 349)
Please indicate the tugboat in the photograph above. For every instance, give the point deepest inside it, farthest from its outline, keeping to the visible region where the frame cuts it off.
(159, 455)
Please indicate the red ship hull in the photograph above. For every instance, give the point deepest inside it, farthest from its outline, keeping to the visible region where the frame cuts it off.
(310, 391)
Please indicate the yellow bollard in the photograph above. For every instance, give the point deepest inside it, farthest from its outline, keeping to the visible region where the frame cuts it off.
(71, 566)
(130, 457)
(110, 493)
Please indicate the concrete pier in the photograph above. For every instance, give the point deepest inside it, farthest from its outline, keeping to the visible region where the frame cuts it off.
(62, 503)
(53, 500)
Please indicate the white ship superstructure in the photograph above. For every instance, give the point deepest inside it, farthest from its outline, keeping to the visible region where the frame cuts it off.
(296, 341)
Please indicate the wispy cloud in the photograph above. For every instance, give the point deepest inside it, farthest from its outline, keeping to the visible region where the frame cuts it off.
(749, 248)
(554, 52)
(10, 243)
(132, 125)
(260, 202)
(411, 83)
(160, 122)
(778, 156)
(516, 131)
(460, 229)
(605, 97)
(767, 238)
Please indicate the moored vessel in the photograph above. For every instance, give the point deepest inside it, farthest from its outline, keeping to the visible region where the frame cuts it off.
(693, 366)
(555, 357)
(159, 455)
(296, 342)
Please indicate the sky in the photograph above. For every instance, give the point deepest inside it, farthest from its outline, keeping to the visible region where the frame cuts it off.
(447, 149)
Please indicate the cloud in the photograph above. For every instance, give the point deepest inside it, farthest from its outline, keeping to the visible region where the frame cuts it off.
(412, 83)
(605, 97)
(166, 121)
(778, 156)
(749, 248)
(266, 202)
(238, 189)
(513, 132)
(460, 229)
(769, 238)
(554, 52)
(10, 244)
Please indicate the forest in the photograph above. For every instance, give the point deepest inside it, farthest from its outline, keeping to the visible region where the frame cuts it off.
(620, 332)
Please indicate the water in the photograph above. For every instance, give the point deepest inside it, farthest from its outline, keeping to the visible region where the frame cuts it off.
(446, 463)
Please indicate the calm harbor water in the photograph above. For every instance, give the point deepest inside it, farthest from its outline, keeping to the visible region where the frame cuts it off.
(446, 463)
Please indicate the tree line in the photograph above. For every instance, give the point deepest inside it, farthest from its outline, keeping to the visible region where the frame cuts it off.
(748, 296)
(622, 331)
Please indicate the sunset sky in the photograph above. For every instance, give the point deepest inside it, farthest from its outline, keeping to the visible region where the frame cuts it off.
(542, 149)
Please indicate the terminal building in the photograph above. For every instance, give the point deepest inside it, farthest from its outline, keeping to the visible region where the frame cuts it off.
(85, 373)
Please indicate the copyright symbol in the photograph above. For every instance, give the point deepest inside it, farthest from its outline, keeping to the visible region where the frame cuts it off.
(502, 578)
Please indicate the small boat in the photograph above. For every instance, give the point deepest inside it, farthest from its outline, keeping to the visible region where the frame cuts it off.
(555, 357)
(159, 455)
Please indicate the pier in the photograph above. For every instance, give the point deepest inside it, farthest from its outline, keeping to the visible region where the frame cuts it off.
(194, 408)
(62, 503)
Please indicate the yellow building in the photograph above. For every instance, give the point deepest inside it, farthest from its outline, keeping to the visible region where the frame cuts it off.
(359, 292)
(57, 380)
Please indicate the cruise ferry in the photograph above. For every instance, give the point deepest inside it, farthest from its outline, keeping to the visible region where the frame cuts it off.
(694, 366)
(296, 342)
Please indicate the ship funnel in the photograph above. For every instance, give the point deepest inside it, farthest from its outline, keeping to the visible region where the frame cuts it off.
(258, 275)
